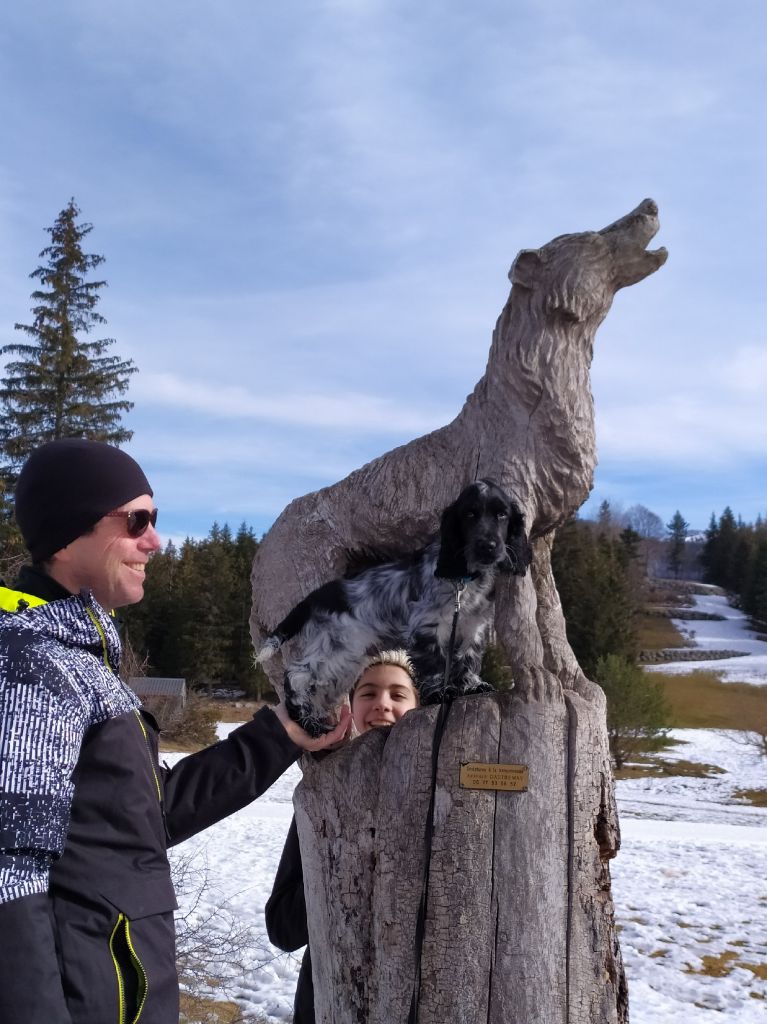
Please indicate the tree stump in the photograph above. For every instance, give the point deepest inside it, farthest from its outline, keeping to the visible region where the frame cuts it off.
(520, 917)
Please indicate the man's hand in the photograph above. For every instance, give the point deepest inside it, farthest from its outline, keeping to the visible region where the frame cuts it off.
(303, 740)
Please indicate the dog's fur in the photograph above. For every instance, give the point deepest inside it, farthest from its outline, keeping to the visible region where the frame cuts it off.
(406, 604)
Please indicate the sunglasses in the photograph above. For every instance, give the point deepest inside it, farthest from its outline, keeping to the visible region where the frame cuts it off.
(137, 520)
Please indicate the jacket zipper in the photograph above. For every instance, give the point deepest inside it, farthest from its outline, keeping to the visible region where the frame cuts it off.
(123, 923)
(137, 713)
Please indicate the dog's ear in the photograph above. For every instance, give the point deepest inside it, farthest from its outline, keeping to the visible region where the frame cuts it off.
(451, 561)
(519, 554)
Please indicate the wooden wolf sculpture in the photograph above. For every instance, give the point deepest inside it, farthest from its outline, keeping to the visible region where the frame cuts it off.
(529, 424)
(523, 928)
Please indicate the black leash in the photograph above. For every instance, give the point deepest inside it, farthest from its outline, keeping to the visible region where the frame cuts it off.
(439, 728)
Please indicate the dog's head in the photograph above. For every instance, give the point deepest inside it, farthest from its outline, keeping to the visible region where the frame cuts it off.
(482, 529)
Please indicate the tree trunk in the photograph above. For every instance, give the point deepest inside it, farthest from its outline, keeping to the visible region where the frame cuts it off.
(519, 928)
(519, 924)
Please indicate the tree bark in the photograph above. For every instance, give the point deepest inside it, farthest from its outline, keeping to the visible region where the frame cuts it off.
(520, 916)
(519, 924)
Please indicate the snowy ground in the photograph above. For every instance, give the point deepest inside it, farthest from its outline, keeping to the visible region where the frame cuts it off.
(690, 882)
(732, 634)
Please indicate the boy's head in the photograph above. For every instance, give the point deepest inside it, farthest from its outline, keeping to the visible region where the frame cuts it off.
(384, 691)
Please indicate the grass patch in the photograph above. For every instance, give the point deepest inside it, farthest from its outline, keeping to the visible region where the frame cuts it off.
(200, 1010)
(227, 712)
(657, 633)
(721, 965)
(716, 966)
(700, 700)
(655, 768)
(756, 797)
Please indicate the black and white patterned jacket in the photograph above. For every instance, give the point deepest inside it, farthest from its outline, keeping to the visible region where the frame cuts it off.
(86, 816)
(58, 677)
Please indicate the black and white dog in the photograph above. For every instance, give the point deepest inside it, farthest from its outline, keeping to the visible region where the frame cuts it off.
(408, 604)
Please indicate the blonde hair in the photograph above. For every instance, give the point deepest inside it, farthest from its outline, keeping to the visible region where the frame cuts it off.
(397, 656)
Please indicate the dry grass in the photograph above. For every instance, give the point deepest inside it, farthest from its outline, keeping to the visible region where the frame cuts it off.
(226, 711)
(721, 965)
(756, 797)
(656, 768)
(200, 1010)
(700, 700)
(196, 1010)
(657, 633)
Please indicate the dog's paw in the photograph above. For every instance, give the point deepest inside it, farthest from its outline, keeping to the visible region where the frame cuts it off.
(436, 692)
(269, 647)
(479, 687)
(317, 727)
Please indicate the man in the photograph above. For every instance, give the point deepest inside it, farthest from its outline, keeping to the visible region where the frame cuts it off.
(86, 811)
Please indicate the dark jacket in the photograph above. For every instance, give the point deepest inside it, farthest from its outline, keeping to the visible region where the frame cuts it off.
(86, 814)
(286, 926)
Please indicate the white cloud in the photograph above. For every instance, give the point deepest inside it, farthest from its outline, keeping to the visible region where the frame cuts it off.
(362, 413)
(669, 430)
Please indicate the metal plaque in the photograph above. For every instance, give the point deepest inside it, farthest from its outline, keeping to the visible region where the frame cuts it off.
(509, 777)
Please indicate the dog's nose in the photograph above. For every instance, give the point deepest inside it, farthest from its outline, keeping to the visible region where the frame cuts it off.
(487, 546)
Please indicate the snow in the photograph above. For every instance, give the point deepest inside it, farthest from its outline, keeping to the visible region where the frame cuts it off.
(732, 634)
(689, 883)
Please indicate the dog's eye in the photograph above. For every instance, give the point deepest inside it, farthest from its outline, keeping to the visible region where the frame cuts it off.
(470, 515)
(501, 515)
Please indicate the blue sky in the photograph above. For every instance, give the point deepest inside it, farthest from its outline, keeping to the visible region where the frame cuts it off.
(309, 210)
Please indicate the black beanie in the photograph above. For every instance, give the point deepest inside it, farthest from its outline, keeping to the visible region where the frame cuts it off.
(66, 486)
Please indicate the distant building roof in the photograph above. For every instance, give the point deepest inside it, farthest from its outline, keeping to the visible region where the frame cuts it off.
(155, 686)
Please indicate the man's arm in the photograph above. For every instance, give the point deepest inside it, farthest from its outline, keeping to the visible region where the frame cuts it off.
(215, 782)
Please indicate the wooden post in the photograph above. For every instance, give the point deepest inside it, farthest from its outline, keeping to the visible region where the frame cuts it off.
(520, 922)
(512, 931)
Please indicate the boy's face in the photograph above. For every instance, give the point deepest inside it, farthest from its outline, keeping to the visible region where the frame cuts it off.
(382, 696)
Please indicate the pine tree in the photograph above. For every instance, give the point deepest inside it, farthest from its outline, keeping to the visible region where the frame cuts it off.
(595, 580)
(758, 595)
(206, 592)
(719, 554)
(245, 672)
(708, 555)
(60, 384)
(605, 516)
(12, 551)
(637, 710)
(677, 530)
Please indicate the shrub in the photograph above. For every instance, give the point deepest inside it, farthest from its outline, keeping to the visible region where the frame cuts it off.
(197, 725)
(637, 711)
(214, 946)
(495, 669)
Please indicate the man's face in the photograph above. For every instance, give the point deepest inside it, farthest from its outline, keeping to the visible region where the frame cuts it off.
(382, 696)
(107, 560)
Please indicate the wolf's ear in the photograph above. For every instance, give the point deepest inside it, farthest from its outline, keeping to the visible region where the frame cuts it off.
(526, 267)
(451, 561)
